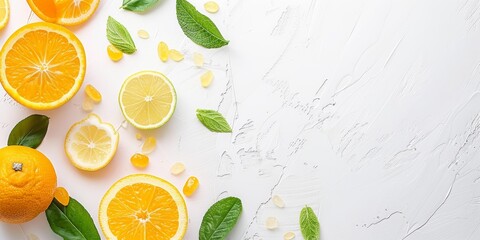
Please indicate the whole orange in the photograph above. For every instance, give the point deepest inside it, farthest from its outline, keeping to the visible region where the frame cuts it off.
(27, 182)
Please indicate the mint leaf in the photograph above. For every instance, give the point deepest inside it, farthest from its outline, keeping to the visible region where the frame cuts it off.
(138, 5)
(29, 132)
(309, 224)
(119, 36)
(198, 27)
(72, 222)
(220, 219)
(213, 120)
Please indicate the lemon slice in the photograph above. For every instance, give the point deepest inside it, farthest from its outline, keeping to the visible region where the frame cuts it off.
(91, 144)
(4, 13)
(147, 99)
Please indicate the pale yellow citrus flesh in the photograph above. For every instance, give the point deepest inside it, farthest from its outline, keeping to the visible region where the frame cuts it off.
(147, 99)
(4, 13)
(91, 144)
(143, 207)
(42, 65)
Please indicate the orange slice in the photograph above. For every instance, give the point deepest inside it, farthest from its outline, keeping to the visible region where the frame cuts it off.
(42, 65)
(4, 13)
(141, 207)
(64, 12)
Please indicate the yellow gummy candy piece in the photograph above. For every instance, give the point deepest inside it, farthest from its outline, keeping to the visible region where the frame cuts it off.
(149, 145)
(143, 34)
(206, 79)
(139, 160)
(198, 59)
(93, 93)
(175, 55)
(211, 7)
(163, 51)
(114, 54)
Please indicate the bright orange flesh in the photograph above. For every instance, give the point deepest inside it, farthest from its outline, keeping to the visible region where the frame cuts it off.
(61, 195)
(140, 207)
(42, 65)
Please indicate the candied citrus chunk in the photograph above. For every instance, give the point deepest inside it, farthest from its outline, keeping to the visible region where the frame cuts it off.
(177, 168)
(198, 59)
(93, 93)
(191, 186)
(139, 160)
(289, 236)
(143, 34)
(114, 54)
(271, 223)
(175, 55)
(138, 136)
(206, 79)
(149, 145)
(62, 196)
(87, 104)
(211, 7)
(163, 51)
(278, 201)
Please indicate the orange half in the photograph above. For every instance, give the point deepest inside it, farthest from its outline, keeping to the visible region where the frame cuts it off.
(42, 65)
(64, 12)
(143, 207)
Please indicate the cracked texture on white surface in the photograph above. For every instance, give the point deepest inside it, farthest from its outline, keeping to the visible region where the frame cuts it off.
(368, 111)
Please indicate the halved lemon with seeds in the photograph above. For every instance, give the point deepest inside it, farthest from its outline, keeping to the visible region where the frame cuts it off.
(42, 65)
(141, 207)
(91, 144)
(147, 99)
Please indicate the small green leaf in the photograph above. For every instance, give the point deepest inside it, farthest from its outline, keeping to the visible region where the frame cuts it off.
(220, 219)
(309, 224)
(119, 36)
(213, 120)
(29, 132)
(198, 27)
(138, 5)
(72, 222)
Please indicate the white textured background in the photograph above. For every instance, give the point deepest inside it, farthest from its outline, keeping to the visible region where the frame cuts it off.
(366, 110)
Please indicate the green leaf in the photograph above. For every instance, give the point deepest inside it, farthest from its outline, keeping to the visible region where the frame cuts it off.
(119, 36)
(138, 5)
(198, 27)
(72, 222)
(220, 219)
(309, 224)
(213, 120)
(29, 132)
